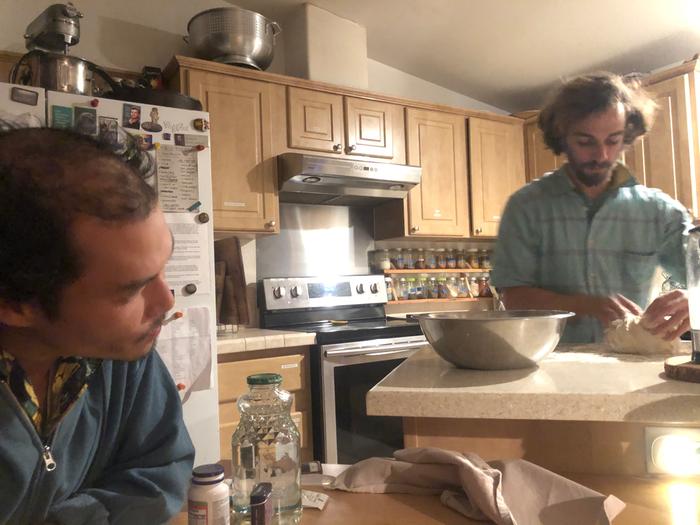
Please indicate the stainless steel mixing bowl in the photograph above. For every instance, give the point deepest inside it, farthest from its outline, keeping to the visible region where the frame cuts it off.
(494, 340)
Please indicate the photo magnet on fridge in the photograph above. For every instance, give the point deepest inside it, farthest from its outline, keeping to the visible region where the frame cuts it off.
(131, 116)
(61, 117)
(109, 130)
(85, 120)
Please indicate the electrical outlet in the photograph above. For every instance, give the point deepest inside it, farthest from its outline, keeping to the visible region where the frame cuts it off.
(672, 450)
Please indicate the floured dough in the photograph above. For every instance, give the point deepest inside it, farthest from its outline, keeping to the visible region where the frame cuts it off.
(628, 336)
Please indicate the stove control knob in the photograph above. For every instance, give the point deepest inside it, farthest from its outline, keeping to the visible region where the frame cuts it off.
(360, 288)
(294, 291)
(373, 288)
(279, 292)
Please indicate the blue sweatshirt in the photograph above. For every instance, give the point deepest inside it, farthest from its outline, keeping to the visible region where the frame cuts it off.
(122, 453)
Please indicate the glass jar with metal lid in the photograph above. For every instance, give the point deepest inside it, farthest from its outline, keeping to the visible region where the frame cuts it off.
(473, 257)
(419, 259)
(441, 258)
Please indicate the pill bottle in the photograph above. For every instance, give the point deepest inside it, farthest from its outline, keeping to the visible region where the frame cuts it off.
(208, 497)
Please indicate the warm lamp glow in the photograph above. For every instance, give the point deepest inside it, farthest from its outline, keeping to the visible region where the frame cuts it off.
(676, 454)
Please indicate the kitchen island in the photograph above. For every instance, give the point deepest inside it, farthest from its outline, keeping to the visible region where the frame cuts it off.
(581, 414)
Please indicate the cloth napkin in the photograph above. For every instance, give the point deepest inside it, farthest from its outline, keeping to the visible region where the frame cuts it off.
(514, 492)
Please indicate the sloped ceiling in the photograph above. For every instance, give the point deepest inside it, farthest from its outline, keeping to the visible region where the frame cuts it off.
(508, 53)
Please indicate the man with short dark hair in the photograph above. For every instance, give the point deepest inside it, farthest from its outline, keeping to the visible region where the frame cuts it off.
(91, 428)
(588, 237)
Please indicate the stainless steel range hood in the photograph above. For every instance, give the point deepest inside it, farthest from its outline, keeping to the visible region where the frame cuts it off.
(310, 179)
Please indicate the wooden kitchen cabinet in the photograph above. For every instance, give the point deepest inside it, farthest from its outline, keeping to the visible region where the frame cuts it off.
(292, 365)
(497, 170)
(345, 126)
(438, 206)
(244, 170)
(667, 156)
(539, 158)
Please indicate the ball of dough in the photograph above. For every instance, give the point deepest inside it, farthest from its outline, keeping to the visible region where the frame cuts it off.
(628, 336)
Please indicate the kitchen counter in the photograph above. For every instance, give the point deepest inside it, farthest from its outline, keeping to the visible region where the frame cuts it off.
(567, 386)
(250, 339)
(577, 412)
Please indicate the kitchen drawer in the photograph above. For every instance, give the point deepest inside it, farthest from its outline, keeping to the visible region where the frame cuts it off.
(301, 419)
(232, 376)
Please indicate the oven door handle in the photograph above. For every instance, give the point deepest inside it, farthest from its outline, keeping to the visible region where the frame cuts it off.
(376, 350)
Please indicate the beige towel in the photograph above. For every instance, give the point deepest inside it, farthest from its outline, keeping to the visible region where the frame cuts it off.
(514, 492)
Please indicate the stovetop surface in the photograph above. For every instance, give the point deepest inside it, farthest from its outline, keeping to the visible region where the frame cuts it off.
(331, 332)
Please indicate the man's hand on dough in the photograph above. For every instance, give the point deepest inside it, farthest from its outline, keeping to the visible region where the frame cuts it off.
(608, 309)
(667, 316)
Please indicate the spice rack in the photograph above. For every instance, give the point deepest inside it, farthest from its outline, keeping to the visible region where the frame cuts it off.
(436, 270)
(443, 271)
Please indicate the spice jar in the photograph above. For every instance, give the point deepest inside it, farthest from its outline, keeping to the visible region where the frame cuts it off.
(474, 286)
(441, 258)
(411, 286)
(408, 258)
(382, 257)
(461, 259)
(452, 287)
(430, 261)
(419, 261)
(421, 287)
(433, 288)
(484, 260)
(451, 260)
(484, 289)
(401, 290)
(442, 288)
(473, 258)
(396, 259)
(463, 287)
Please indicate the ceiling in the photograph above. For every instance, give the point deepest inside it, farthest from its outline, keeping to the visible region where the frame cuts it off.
(508, 53)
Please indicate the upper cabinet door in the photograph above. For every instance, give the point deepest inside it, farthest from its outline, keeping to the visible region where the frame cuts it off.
(540, 159)
(374, 129)
(663, 158)
(315, 120)
(437, 143)
(244, 175)
(497, 167)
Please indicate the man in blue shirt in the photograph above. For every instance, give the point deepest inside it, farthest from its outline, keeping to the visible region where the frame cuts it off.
(588, 237)
(91, 428)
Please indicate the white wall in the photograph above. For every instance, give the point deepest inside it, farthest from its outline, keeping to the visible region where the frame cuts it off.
(120, 34)
(391, 81)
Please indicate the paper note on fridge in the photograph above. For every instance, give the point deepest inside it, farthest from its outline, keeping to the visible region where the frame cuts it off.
(178, 183)
(184, 346)
(187, 271)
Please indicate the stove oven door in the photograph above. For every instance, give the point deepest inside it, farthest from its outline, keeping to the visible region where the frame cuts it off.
(344, 373)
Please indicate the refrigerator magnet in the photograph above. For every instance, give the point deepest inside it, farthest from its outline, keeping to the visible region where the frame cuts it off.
(61, 117)
(200, 124)
(108, 130)
(152, 125)
(131, 116)
(85, 120)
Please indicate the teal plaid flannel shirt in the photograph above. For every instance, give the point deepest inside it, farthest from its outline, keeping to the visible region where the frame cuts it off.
(553, 237)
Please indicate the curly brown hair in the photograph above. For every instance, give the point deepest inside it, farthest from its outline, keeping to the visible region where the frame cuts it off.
(581, 96)
(48, 178)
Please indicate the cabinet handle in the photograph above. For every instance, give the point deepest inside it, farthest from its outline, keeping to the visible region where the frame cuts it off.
(271, 224)
(415, 229)
(337, 147)
(351, 147)
(477, 231)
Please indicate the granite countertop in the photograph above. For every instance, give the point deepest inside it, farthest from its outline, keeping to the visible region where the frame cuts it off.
(568, 385)
(249, 339)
